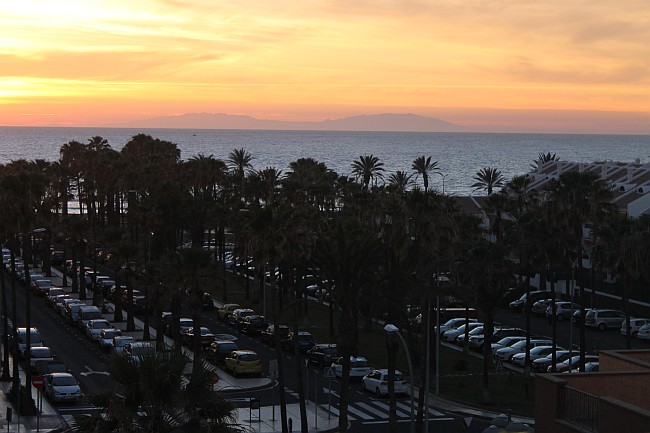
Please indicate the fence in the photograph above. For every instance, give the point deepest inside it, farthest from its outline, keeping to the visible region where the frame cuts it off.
(580, 409)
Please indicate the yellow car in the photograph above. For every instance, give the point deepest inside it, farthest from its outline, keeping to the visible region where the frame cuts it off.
(243, 362)
(226, 310)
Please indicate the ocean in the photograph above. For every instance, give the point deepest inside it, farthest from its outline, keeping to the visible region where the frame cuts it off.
(459, 155)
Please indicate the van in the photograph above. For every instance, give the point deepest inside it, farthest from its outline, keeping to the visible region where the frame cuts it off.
(604, 319)
(72, 312)
(536, 295)
(35, 339)
(88, 313)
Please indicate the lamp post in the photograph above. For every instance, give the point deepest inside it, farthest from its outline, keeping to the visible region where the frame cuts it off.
(444, 176)
(392, 329)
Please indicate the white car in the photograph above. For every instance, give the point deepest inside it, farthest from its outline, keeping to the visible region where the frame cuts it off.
(563, 310)
(451, 335)
(506, 353)
(636, 323)
(106, 337)
(359, 367)
(453, 324)
(644, 333)
(519, 359)
(39, 354)
(120, 342)
(94, 328)
(60, 387)
(505, 342)
(377, 382)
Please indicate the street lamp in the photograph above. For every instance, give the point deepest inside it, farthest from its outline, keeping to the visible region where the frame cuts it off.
(443, 180)
(392, 329)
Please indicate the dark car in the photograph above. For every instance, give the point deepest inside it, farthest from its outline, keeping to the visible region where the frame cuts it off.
(207, 337)
(50, 366)
(322, 354)
(268, 335)
(218, 350)
(253, 324)
(304, 339)
(56, 258)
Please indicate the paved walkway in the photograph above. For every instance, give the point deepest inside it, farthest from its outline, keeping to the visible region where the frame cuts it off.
(263, 419)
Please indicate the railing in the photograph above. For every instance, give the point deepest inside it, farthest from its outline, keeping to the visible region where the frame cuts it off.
(580, 409)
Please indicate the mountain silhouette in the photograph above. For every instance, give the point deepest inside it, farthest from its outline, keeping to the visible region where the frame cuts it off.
(371, 122)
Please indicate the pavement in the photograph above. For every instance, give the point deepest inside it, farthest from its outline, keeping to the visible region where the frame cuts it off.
(251, 418)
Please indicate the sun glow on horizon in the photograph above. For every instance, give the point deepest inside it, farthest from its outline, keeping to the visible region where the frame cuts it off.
(97, 62)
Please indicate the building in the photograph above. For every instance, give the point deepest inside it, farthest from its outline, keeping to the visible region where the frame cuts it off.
(613, 400)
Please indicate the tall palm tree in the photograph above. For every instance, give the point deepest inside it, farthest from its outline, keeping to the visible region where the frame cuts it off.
(487, 179)
(367, 168)
(423, 166)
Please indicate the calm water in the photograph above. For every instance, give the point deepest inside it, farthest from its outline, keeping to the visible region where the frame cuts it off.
(459, 155)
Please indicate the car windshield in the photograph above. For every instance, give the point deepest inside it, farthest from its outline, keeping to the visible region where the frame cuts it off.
(41, 352)
(249, 357)
(305, 337)
(519, 344)
(111, 333)
(227, 347)
(123, 342)
(101, 325)
(143, 350)
(64, 381)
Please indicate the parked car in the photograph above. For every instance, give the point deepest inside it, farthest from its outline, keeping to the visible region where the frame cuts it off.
(207, 337)
(227, 310)
(94, 328)
(377, 381)
(39, 353)
(106, 337)
(138, 350)
(88, 313)
(460, 339)
(452, 324)
(304, 340)
(505, 342)
(644, 333)
(359, 367)
(120, 342)
(590, 367)
(563, 310)
(541, 365)
(235, 318)
(573, 362)
(604, 319)
(451, 334)
(41, 287)
(54, 301)
(636, 323)
(60, 387)
(322, 354)
(268, 335)
(535, 295)
(476, 341)
(243, 362)
(51, 366)
(519, 359)
(253, 324)
(34, 340)
(539, 307)
(218, 350)
(506, 353)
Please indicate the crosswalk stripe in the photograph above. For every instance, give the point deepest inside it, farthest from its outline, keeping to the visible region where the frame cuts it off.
(359, 413)
(408, 409)
(334, 411)
(385, 407)
(371, 409)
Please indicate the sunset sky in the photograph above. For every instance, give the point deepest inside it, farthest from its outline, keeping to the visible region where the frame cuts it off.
(510, 65)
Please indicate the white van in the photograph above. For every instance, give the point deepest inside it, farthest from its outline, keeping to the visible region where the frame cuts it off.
(35, 339)
(88, 313)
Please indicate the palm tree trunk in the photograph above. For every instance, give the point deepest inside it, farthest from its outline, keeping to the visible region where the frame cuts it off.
(280, 358)
(6, 376)
(304, 427)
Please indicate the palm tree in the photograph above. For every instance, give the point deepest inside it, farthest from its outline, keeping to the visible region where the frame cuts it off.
(543, 158)
(367, 168)
(348, 253)
(487, 179)
(399, 181)
(155, 385)
(423, 166)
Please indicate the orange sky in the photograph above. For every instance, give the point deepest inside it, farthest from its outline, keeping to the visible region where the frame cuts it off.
(493, 65)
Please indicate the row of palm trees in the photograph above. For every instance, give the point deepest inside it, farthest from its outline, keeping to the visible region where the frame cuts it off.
(380, 246)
